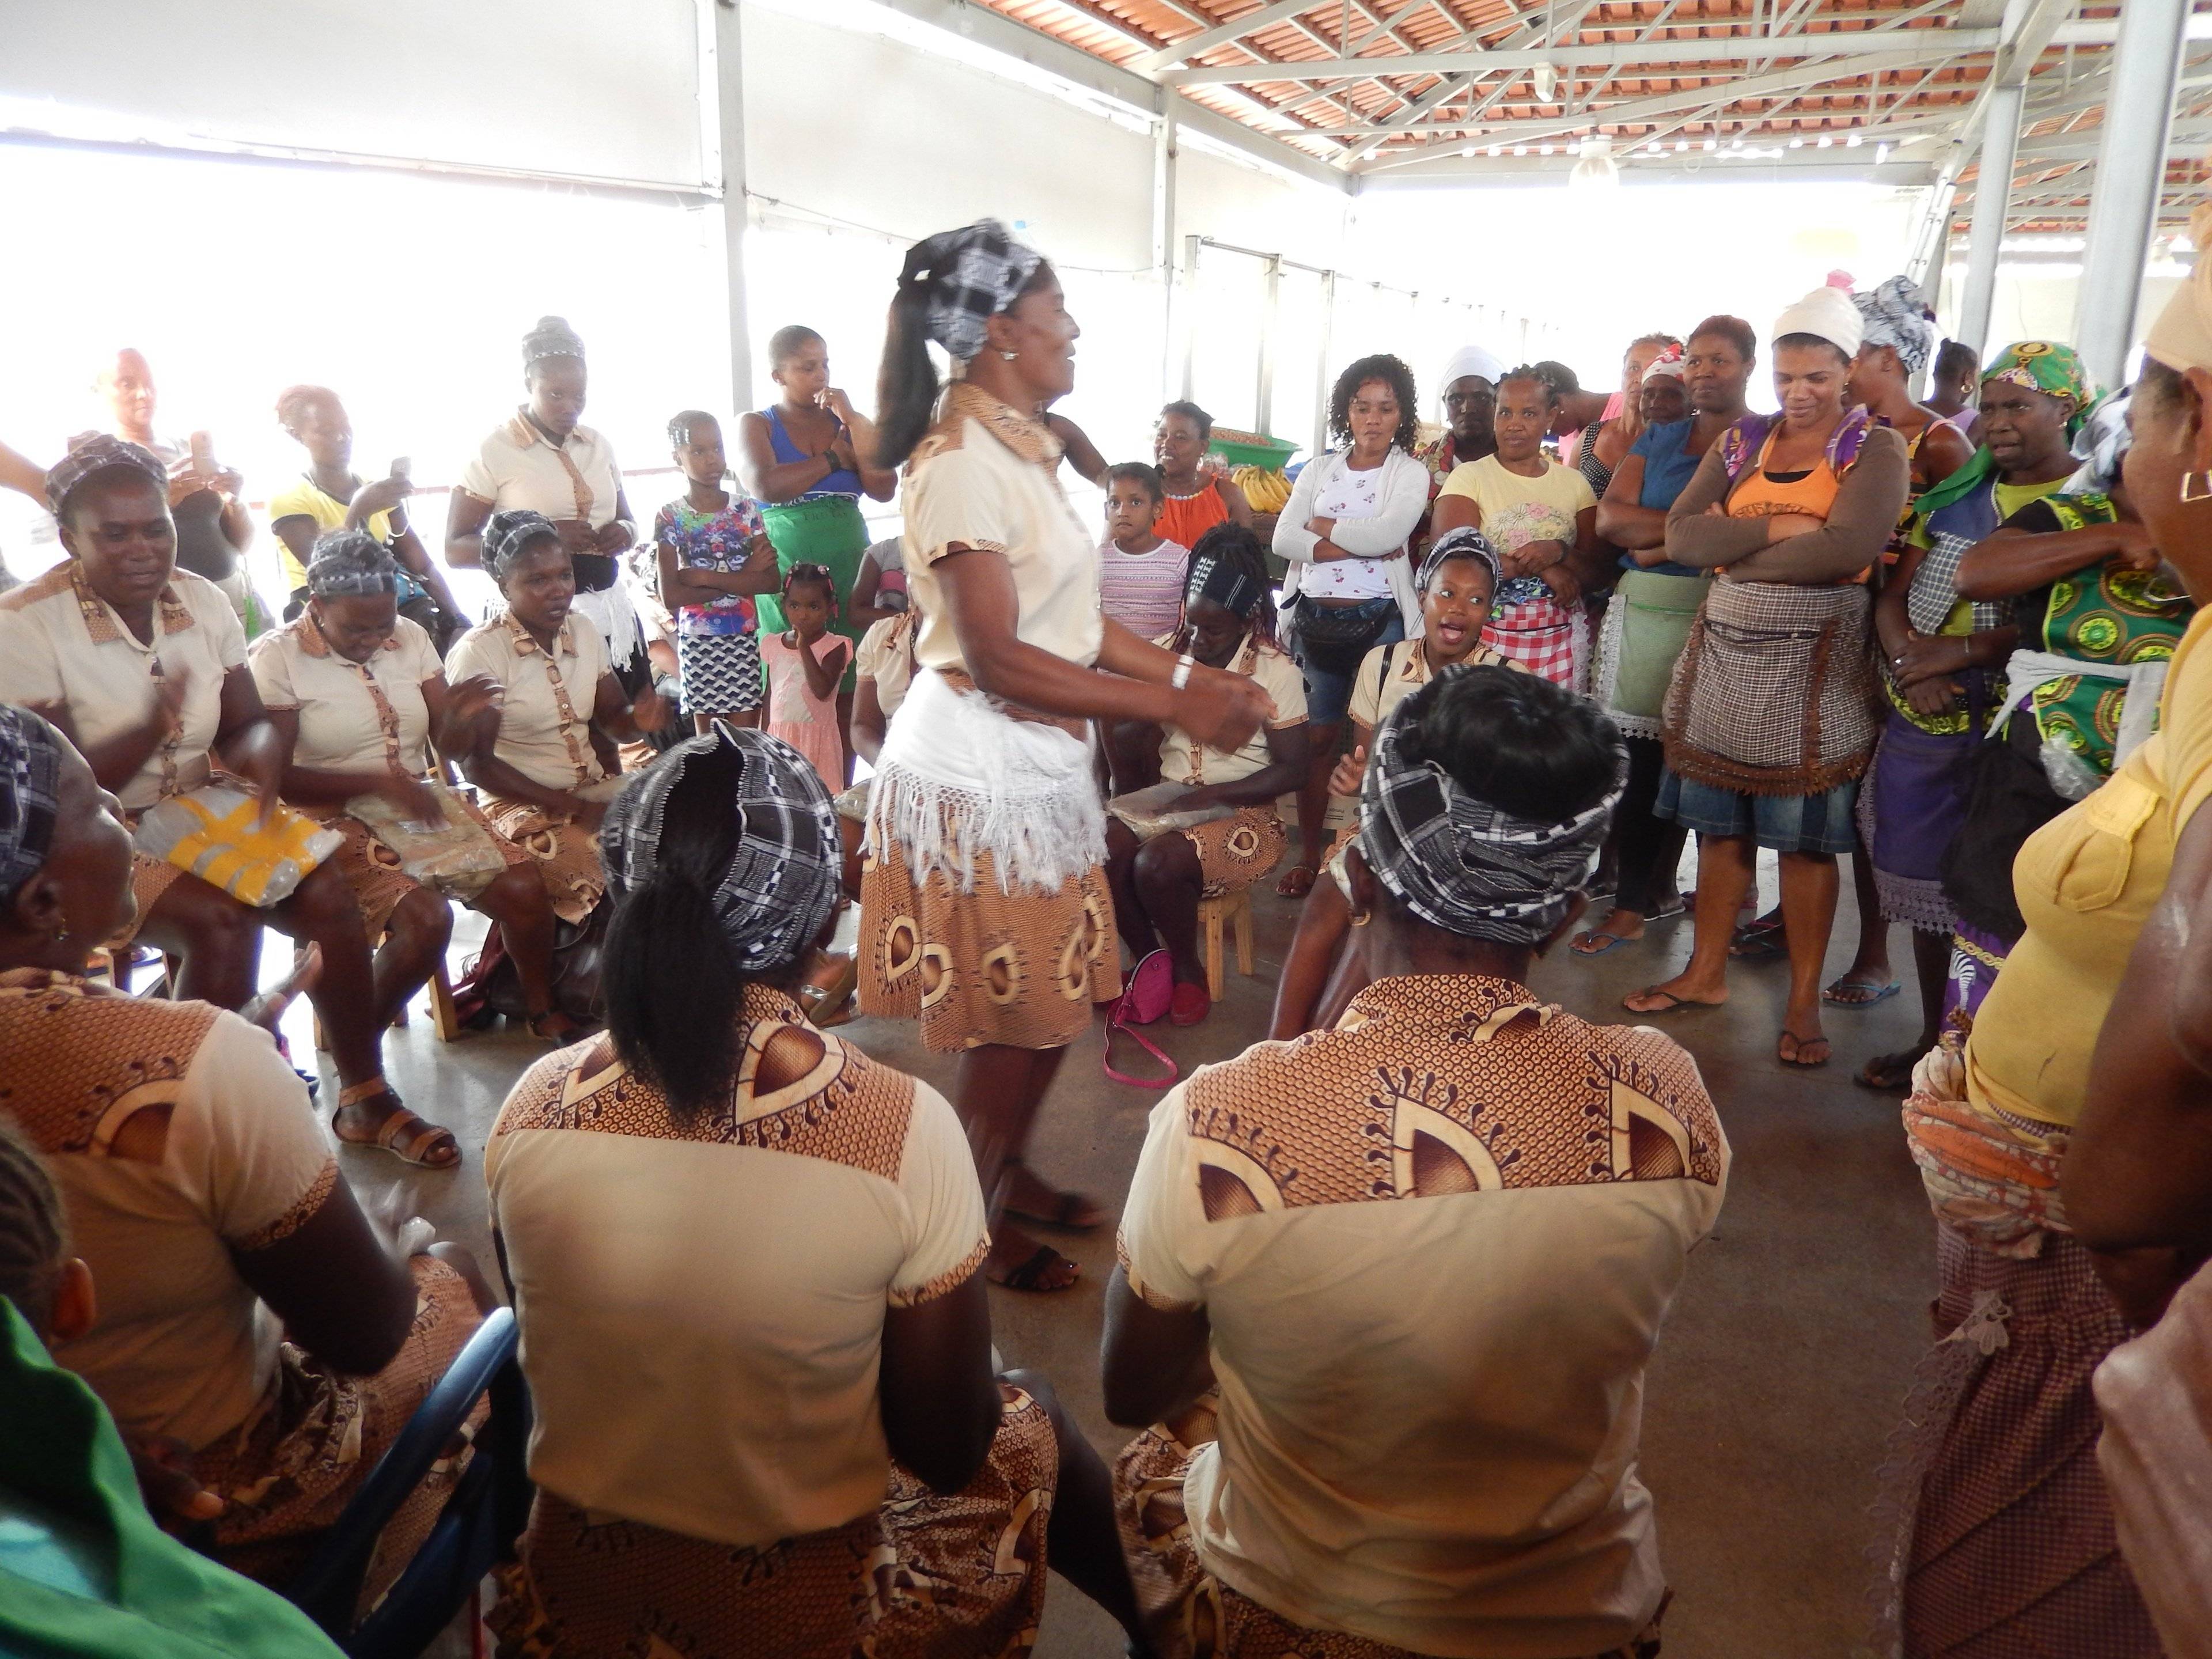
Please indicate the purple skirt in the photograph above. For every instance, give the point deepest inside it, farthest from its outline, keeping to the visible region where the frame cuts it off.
(1916, 800)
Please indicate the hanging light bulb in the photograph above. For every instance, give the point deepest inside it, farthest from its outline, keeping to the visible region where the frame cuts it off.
(1596, 170)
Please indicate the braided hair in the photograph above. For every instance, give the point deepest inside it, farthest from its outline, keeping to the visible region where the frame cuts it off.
(681, 423)
(34, 1238)
(552, 337)
(1237, 551)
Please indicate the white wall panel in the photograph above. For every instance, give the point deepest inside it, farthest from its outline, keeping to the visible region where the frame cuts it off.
(607, 88)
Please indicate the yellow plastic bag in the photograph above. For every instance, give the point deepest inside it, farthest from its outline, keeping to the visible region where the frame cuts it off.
(216, 832)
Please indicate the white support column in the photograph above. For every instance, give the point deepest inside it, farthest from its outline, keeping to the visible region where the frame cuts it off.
(1191, 246)
(1166, 135)
(1992, 202)
(1324, 378)
(2130, 177)
(722, 142)
(1263, 395)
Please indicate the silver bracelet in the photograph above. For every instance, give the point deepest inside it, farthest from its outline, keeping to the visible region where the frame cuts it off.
(1182, 677)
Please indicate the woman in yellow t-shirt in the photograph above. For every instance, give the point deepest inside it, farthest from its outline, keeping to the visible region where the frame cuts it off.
(329, 496)
(2109, 890)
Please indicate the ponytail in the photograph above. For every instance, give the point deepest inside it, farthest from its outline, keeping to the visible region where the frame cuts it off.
(673, 992)
(906, 387)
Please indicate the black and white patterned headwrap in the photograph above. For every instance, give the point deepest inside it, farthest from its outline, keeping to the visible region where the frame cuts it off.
(506, 532)
(1230, 586)
(98, 454)
(785, 878)
(30, 794)
(1464, 543)
(1897, 317)
(350, 562)
(1459, 863)
(552, 337)
(970, 274)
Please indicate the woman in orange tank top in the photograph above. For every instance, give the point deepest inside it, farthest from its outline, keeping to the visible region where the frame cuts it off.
(1197, 497)
(1768, 722)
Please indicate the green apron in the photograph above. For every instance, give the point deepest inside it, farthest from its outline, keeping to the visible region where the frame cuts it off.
(1655, 624)
(818, 530)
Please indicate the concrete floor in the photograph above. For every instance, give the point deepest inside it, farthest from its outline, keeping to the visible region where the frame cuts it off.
(1777, 1381)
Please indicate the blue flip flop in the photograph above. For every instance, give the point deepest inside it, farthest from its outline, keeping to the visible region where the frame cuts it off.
(1605, 942)
(1881, 992)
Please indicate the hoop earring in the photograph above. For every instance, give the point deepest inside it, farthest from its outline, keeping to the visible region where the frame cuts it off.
(1361, 918)
(2197, 486)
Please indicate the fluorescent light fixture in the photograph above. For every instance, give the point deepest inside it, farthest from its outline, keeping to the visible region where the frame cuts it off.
(1520, 150)
(1497, 149)
(1680, 144)
(1823, 141)
(1711, 144)
(1881, 154)
(1851, 140)
(1796, 143)
(1543, 150)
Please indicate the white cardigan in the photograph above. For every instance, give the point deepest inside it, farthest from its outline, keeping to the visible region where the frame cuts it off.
(1405, 497)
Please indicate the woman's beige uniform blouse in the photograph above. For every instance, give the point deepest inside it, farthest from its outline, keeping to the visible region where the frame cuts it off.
(545, 721)
(62, 644)
(984, 477)
(342, 727)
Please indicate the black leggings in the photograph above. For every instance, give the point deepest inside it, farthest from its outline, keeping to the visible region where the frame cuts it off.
(1651, 847)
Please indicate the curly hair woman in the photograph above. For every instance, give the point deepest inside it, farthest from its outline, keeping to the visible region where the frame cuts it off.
(1344, 535)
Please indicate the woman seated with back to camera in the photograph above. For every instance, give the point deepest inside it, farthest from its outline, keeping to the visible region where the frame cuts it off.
(143, 665)
(1351, 1453)
(544, 754)
(357, 692)
(1158, 883)
(768, 1249)
(249, 1315)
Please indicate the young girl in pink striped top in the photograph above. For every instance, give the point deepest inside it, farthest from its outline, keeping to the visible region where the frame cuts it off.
(1141, 575)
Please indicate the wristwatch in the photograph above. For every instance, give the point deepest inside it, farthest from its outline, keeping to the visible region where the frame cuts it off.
(1183, 665)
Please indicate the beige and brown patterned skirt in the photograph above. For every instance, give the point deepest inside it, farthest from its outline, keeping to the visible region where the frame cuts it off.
(1236, 851)
(986, 967)
(925, 1576)
(567, 855)
(1188, 1611)
(288, 1470)
(150, 877)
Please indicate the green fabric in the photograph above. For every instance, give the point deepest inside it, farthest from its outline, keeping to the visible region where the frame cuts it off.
(2100, 613)
(1654, 628)
(59, 1452)
(818, 530)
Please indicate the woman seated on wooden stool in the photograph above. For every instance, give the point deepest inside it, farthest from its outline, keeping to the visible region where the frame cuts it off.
(357, 689)
(1158, 883)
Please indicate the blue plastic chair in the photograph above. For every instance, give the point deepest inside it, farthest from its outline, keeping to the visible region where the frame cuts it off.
(486, 1513)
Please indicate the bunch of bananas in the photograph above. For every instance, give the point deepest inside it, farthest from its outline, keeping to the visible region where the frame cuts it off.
(1269, 492)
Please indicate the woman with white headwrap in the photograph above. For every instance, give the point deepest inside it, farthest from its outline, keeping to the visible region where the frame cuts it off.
(1769, 715)
(747, 1263)
(984, 912)
(1604, 443)
(1467, 397)
(2065, 1152)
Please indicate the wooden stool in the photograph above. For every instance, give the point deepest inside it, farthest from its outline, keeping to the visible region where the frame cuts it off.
(1234, 906)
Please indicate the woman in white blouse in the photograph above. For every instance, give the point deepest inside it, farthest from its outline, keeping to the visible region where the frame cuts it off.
(1349, 588)
(142, 666)
(545, 753)
(358, 689)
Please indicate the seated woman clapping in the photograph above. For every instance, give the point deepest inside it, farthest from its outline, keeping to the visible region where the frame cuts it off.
(747, 1263)
(1425, 1254)
(250, 1319)
(358, 692)
(143, 665)
(544, 751)
(1158, 879)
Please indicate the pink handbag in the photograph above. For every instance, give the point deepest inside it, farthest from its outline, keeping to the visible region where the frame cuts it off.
(1143, 1001)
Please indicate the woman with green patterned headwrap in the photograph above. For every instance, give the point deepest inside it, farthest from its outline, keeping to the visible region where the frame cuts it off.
(1942, 658)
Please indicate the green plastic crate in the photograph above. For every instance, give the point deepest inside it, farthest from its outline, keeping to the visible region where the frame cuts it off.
(1273, 453)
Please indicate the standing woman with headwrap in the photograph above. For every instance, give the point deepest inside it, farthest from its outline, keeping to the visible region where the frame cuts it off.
(984, 912)
(359, 695)
(1942, 657)
(543, 461)
(143, 665)
(1769, 715)
(1466, 396)
(1604, 445)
